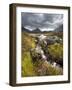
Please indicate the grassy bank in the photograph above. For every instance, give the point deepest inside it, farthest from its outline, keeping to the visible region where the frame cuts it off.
(39, 67)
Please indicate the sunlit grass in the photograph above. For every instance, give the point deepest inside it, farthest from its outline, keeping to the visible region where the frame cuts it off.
(39, 67)
(56, 50)
(27, 65)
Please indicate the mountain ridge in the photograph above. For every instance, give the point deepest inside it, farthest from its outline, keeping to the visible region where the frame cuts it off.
(37, 30)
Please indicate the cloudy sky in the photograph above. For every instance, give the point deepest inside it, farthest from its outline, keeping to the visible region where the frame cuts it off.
(47, 22)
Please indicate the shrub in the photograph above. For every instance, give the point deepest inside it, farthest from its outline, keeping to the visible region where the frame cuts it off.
(56, 51)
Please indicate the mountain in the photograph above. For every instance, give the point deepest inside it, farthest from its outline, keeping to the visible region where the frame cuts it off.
(37, 30)
(33, 31)
(25, 30)
(59, 29)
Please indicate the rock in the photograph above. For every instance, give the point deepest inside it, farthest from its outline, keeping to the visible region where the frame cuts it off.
(44, 57)
(54, 64)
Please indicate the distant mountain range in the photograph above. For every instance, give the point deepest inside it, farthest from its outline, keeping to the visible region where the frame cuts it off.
(37, 30)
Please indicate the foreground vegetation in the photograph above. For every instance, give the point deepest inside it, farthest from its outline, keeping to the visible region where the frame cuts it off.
(33, 64)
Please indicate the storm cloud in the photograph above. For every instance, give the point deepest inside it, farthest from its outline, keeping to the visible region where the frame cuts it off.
(42, 21)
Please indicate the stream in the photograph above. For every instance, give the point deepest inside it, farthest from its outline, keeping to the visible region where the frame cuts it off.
(38, 49)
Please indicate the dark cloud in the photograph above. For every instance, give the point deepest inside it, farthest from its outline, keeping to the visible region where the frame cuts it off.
(41, 20)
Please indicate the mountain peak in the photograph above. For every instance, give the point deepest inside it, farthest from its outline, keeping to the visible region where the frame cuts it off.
(37, 30)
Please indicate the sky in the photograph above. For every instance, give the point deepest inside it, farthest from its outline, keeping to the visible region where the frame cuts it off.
(43, 21)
